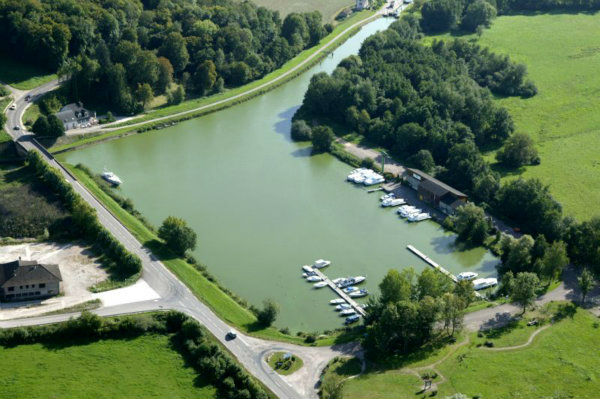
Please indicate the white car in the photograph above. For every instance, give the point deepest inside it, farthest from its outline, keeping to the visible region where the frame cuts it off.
(12, 107)
(17, 128)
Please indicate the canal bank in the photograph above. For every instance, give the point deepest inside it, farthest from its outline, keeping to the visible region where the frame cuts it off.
(263, 206)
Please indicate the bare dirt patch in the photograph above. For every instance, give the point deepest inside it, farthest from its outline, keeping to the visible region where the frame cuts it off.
(79, 269)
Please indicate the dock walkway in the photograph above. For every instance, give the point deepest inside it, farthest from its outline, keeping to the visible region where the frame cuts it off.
(341, 293)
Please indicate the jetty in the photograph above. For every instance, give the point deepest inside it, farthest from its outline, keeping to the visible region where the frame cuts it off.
(437, 267)
(357, 308)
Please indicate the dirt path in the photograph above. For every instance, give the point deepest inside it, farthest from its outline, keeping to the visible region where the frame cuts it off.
(529, 341)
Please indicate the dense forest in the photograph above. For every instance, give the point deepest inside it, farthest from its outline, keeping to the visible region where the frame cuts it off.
(123, 52)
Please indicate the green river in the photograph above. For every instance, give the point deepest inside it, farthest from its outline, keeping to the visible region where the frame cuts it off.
(263, 206)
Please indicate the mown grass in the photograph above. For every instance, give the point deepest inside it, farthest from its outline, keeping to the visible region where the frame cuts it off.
(206, 291)
(278, 363)
(327, 8)
(144, 367)
(559, 362)
(562, 55)
(22, 76)
(208, 102)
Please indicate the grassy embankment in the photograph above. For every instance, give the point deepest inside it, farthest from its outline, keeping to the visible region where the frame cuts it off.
(562, 55)
(558, 363)
(209, 293)
(143, 367)
(207, 101)
(22, 76)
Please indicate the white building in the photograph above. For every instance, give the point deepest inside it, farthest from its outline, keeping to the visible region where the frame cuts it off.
(74, 116)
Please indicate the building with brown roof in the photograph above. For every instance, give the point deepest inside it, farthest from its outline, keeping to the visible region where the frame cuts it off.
(24, 280)
(435, 192)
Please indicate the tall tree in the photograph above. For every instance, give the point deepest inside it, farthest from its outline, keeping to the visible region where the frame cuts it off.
(175, 50)
(586, 283)
(523, 289)
(177, 235)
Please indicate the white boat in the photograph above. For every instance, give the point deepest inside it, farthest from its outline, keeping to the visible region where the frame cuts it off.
(111, 177)
(483, 283)
(408, 211)
(387, 196)
(321, 263)
(320, 284)
(338, 280)
(343, 306)
(347, 312)
(348, 290)
(419, 217)
(359, 279)
(352, 319)
(466, 276)
(358, 294)
(351, 281)
(307, 269)
(308, 274)
(371, 180)
(337, 301)
(393, 202)
(313, 279)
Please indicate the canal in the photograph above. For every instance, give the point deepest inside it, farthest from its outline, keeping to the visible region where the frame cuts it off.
(263, 206)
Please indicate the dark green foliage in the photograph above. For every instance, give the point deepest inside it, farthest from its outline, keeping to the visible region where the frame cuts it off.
(301, 131)
(109, 48)
(177, 235)
(478, 13)
(423, 160)
(506, 6)
(584, 243)
(322, 138)
(518, 150)
(586, 283)
(471, 224)
(177, 95)
(85, 220)
(441, 15)
(40, 126)
(268, 314)
(523, 289)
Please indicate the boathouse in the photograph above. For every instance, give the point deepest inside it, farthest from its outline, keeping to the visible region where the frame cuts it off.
(435, 192)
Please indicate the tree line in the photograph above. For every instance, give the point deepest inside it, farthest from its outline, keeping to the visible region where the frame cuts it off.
(123, 52)
(84, 220)
(188, 337)
(475, 15)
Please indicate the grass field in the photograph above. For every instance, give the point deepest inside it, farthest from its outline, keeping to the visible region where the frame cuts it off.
(144, 367)
(558, 363)
(327, 8)
(562, 54)
(22, 76)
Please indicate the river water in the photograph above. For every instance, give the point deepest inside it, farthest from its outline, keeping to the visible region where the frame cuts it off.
(262, 206)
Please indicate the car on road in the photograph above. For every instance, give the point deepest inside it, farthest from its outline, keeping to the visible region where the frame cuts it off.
(17, 128)
(231, 334)
(27, 98)
(12, 107)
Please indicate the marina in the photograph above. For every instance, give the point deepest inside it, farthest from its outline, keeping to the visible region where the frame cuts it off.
(349, 302)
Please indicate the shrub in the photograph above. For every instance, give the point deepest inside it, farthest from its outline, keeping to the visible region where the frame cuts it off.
(267, 315)
(177, 235)
(322, 138)
(301, 131)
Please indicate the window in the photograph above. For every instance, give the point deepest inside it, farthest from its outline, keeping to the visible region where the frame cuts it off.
(20, 287)
(42, 285)
(11, 289)
(37, 293)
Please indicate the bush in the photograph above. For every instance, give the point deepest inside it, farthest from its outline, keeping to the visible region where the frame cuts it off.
(267, 315)
(518, 150)
(367, 163)
(301, 131)
(177, 235)
(322, 138)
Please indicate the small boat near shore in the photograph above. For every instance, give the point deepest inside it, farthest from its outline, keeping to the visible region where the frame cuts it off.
(343, 306)
(352, 319)
(313, 279)
(307, 269)
(320, 284)
(393, 202)
(347, 312)
(358, 294)
(111, 177)
(337, 301)
(483, 283)
(467, 276)
(419, 217)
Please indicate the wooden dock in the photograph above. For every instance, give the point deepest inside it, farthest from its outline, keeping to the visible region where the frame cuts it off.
(341, 293)
(433, 264)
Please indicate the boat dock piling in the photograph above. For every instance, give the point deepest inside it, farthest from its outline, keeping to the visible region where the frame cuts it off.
(431, 263)
(341, 293)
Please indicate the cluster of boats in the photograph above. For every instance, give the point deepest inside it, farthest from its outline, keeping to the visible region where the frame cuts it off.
(346, 309)
(412, 213)
(478, 283)
(391, 200)
(365, 176)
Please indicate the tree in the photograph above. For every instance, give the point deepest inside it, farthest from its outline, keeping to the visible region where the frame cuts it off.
(267, 315)
(177, 235)
(40, 126)
(464, 289)
(423, 160)
(453, 311)
(516, 254)
(177, 95)
(518, 150)
(479, 13)
(440, 15)
(433, 283)
(396, 286)
(322, 138)
(471, 224)
(175, 50)
(143, 94)
(2, 120)
(301, 131)
(554, 261)
(165, 75)
(586, 283)
(332, 387)
(205, 76)
(55, 126)
(523, 289)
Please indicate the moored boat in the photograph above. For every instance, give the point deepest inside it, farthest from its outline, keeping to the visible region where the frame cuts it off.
(313, 279)
(111, 177)
(359, 293)
(466, 276)
(352, 319)
(483, 283)
(321, 263)
(337, 301)
(347, 312)
(307, 268)
(320, 284)
(343, 306)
